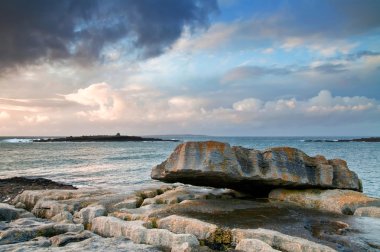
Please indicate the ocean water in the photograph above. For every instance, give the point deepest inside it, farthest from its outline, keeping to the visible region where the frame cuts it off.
(126, 165)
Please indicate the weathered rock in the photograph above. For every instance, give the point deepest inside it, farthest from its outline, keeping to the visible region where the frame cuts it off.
(117, 244)
(36, 244)
(10, 187)
(368, 211)
(164, 204)
(48, 208)
(87, 214)
(69, 237)
(26, 229)
(217, 164)
(63, 217)
(183, 225)
(279, 241)
(9, 212)
(338, 201)
(20, 205)
(138, 233)
(254, 245)
(130, 203)
(72, 198)
(95, 243)
(182, 193)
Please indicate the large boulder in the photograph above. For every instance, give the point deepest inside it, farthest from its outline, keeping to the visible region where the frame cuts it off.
(220, 165)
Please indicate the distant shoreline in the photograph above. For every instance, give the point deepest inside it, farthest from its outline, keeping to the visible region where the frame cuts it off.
(364, 139)
(103, 138)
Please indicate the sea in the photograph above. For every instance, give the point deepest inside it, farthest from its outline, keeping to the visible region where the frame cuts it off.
(126, 166)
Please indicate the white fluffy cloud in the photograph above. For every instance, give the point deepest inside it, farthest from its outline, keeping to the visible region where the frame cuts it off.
(4, 115)
(322, 106)
(145, 111)
(104, 103)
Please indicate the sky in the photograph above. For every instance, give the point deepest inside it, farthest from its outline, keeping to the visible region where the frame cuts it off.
(213, 67)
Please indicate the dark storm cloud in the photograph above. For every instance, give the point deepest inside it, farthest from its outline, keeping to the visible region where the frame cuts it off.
(52, 30)
(361, 54)
(330, 68)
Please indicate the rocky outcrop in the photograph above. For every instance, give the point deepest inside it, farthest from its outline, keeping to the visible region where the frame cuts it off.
(95, 243)
(368, 211)
(138, 233)
(338, 201)
(254, 245)
(219, 165)
(26, 229)
(177, 218)
(183, 225)
(69, 237)
(279, 241)
(9, 212)
(87, 214)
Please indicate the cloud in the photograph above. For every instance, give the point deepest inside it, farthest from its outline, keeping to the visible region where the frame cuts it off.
(323, 109)
(35, 119)
(102, 108)
(4, 115)
(247, 72)
(330, 68)
(360, 54)
(104, 102)
(289, 25)
(42, 30)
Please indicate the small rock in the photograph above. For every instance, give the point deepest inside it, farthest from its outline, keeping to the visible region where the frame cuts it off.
(129, 203)
(48, 208)
(26, 229)
(66, 238)
(278, 240)
(183, 225)
(9, 212)
(368, 211)
(87, 214)
(63, 217)
(20, 205)
(254, 245)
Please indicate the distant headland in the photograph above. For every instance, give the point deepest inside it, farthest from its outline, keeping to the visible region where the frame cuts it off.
(103, 138)
(364, 139)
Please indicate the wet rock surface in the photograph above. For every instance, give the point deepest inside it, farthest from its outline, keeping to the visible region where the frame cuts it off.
(256, 172)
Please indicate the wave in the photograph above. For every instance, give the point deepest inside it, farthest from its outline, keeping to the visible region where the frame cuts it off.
(17, 140)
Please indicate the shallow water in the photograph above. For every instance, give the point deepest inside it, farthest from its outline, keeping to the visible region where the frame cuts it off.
(342, 232)
(127, 165)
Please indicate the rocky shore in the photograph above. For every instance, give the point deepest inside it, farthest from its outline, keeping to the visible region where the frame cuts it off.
(11, 187)
(103, 138)
(305, 204)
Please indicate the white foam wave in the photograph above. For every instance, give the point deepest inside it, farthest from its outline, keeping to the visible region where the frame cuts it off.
(18, 140)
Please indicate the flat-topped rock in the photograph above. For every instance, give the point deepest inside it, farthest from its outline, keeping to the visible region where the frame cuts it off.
(220, 165)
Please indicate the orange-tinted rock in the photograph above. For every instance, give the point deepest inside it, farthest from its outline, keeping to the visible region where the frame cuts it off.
(220, 165)
(338, 201)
